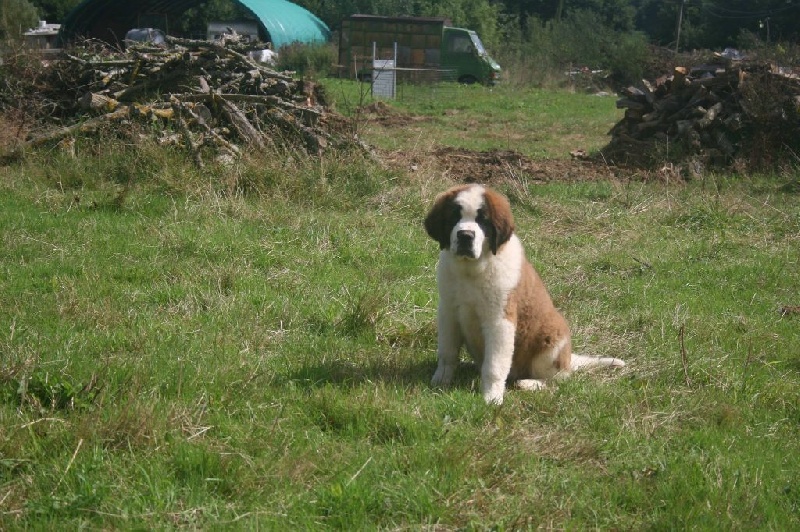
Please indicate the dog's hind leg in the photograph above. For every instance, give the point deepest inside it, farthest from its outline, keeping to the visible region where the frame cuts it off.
(585, 362)
(530, 384)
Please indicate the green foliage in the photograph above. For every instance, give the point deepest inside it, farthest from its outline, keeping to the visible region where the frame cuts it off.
(43, 391)
(625, 58)
(314, 60)
(55, 10)
(478, 15)
(16, 16)
(618, 15)
(707, 24)
(195, 20)
(580, 40)
(549, 50)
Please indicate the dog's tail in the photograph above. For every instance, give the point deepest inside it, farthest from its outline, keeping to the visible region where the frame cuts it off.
(580, 362)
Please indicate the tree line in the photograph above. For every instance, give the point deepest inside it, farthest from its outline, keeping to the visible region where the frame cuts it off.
(703, 23)
(681, 24)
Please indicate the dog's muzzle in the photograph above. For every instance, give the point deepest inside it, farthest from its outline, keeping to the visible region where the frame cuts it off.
(465, 240)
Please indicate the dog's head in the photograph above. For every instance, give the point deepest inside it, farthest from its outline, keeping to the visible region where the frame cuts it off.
(468, 220)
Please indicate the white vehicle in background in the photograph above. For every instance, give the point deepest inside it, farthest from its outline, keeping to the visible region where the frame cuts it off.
(145, 35)
(265, 56)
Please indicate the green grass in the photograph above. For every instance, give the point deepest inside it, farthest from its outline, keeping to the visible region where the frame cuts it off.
(533, 122)
(250, 347)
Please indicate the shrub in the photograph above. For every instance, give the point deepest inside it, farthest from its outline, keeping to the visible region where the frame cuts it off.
(15, 17)
(312, 60)
(578, 41)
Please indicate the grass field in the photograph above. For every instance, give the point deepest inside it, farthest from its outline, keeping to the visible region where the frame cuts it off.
(250, 347)
(535, 122)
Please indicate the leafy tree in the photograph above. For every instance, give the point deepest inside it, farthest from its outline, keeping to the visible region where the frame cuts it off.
(771, 20)
(581, 39)
(194, 21)
(658, 19)
(616, 15)
(478, 15)
(16, 16)
(55, 10)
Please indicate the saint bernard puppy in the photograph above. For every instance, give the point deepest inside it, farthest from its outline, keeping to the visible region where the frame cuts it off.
(492, 301)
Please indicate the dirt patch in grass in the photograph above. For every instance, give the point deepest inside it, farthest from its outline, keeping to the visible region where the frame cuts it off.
(489, 166)
(496, 166)
(381, 113)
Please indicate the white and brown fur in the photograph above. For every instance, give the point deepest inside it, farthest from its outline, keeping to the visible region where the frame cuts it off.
(492, 301)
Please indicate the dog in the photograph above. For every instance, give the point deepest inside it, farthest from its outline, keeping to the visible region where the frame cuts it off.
(492, 301)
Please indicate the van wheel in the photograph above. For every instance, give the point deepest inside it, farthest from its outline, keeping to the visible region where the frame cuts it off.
(467, 80)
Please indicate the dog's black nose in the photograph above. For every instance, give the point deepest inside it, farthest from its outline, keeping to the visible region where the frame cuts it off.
(465, 236)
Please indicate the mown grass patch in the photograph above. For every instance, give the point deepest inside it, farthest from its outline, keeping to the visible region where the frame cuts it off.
(533, 122)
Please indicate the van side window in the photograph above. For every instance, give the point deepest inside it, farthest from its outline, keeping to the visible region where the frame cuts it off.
(460, 44)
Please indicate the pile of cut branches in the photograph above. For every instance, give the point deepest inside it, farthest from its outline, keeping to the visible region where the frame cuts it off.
(209, 97)
(724, 114)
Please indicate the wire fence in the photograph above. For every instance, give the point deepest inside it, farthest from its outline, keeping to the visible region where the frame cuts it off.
(419, 85)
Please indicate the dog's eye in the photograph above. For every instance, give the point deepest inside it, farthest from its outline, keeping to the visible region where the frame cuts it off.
(481, 216)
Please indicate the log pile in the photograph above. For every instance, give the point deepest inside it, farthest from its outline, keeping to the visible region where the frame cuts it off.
(211, 98)
(713, 115)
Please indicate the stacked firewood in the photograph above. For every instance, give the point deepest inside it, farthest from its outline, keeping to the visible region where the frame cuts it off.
(712, 115)
(212, 98)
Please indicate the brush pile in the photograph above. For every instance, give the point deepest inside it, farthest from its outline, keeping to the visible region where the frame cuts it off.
(207, 97)
(719, 115)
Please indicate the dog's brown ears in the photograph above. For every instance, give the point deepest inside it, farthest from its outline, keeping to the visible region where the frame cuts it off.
(498, 211)
(438, 223)
(444, 215)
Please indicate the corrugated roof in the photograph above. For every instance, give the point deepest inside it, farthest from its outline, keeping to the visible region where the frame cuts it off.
(109, 20)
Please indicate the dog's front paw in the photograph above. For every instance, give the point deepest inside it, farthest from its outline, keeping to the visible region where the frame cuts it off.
(443, 376)
(493, 394)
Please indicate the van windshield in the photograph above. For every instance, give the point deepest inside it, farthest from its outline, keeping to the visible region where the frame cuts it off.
(478, 44)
